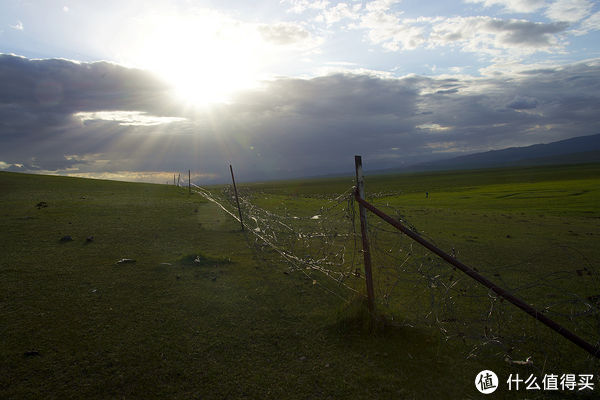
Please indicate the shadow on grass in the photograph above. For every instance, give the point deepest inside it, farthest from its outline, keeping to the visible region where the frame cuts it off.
(353, 318)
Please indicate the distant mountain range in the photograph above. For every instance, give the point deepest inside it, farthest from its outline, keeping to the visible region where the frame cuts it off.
(582, 149)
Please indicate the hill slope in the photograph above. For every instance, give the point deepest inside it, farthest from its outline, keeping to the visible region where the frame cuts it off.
(582, 149)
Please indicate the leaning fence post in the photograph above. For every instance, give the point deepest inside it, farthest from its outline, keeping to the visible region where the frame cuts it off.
(237, 200)
(472, 272)
(360, 189)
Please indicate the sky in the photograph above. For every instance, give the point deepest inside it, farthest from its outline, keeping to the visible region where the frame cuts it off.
(139, 90)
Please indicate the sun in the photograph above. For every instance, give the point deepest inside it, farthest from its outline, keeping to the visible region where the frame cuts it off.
(206, 57)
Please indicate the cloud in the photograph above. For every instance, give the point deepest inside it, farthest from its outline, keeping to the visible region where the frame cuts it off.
(433, 127)
(300, 6)
(62, 86)
(478, 34)
(486, 34)
(380, 5)
(569, 10)
(557, 10)
(126, 118)
(520, 6)
(284, 33)
(339, 12)
(523, 103)
(385, 26)
(387, 29)
(18, 26)
(592, 23)
(40, 101)
(104, 120)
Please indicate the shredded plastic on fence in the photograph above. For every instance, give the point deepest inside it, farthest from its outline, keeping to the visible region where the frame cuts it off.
(415, 288)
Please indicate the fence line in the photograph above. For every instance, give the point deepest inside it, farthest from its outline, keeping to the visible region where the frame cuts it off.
(595, 351)
(325, 241)
(296, 261)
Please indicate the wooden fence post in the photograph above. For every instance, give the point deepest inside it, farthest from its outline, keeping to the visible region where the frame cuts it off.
(189, 181)
(237, 200)
(360, 187)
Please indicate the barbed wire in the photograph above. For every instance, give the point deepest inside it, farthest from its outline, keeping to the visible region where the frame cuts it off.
(415, 288)
(463, 309)
(294, 238)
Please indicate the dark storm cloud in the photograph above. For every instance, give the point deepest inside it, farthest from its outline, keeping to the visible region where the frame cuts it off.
(521, 109)
(289, 127)
(38, 100)
(63, 86)
(523, 103)
(320, 123)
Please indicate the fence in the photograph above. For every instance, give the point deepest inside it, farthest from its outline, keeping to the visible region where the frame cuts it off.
(318, 236)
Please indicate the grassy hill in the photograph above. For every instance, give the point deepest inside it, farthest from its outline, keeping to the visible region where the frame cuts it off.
(237, 324)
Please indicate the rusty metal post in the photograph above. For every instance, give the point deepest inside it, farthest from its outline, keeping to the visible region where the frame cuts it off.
(538, 315)
(237, 200)
(360, 190)
(173, 179)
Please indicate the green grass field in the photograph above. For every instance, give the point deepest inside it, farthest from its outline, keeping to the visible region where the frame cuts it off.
(74, 324)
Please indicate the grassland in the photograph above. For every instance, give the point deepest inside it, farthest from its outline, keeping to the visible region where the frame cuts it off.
(75, 324)
(533, 230)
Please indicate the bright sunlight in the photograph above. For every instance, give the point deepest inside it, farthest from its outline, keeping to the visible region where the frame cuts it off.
(206, 57)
